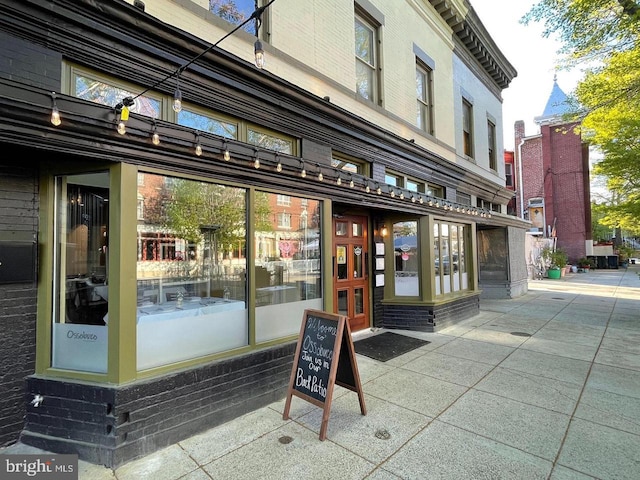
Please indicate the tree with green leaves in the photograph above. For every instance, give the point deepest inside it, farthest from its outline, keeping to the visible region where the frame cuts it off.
(604, 36)
(193, 205)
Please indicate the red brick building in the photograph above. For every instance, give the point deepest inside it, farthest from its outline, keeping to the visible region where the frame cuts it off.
(551, 178)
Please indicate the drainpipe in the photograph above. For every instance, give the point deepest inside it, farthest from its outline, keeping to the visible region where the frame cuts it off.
(520, 178)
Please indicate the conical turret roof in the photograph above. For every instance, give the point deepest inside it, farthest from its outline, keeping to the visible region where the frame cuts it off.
(557, 105)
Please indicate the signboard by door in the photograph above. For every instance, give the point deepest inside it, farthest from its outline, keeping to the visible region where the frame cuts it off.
(324, 356)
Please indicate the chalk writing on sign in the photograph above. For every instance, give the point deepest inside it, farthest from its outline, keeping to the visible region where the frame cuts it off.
(316, 356)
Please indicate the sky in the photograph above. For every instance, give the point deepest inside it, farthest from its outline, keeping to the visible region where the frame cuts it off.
(534, 58)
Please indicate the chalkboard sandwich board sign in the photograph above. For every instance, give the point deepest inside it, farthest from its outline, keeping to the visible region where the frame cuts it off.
(324, 356)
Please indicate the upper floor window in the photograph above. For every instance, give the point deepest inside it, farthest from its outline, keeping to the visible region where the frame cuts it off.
(463, 198)
(508, 173)
(270, 141)
(424, 114)
(140, 208)
(367, 61)
(467, 127)
(207, 123)
(284, 200)
(88, 87)
(415, 186)
(394, 179)
(284, 220)
(349, 165)
(434, 190)
(491, 140)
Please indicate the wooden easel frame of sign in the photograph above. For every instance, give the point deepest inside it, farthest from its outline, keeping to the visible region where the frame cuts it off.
(324, 356)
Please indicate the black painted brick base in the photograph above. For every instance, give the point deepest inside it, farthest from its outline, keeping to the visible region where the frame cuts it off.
(114, 425)
(429, 318)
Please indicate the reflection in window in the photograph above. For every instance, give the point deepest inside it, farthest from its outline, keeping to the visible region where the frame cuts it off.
(406, 265)
(366, 35)
(205, 123)
(467, 128)
(287, 265)
(103, 93)
(191, 270)
(450, 273)
(236, 12)
(81, 275)
(269, 141)
(424, 114)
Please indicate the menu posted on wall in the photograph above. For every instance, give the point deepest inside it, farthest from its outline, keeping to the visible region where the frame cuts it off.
(324, 356)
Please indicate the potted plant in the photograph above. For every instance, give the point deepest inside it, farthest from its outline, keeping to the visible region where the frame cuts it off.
(556, 259)
(584, 264)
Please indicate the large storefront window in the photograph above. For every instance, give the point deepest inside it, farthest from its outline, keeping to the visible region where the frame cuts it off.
(191, 270)
(79, 336)
(287, 263)
(449, 247)
(407, 259)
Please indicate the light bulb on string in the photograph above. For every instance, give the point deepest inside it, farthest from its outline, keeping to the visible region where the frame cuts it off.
(339, 180)
(279, 164)
(351, 183)
(177, 95)
(198, 148)
(260, 60)
(303, 172)
(155, 138)
(256, 160)
(225, 152)
(123, 117)
(378, 189)
(257, 47)
(55, 113)
(320, 176)
(367, 188)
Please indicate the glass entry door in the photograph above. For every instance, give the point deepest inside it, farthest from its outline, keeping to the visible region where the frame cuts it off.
(350, 270)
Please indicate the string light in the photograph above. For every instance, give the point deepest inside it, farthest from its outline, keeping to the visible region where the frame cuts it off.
(259, 53)
(155, 138)
(198, 146)
(303, 172)
(339, 180)
(421, 200)
(279, 164)
(177, 95)
(367, 188)
(55, 113)
(351, 183)
(413, 199)
(320, 176)
(225, 149)
(401, 195)
(256, 160)
(378, 189)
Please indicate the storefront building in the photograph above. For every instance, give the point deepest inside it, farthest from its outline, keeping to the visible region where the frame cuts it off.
(158, 259)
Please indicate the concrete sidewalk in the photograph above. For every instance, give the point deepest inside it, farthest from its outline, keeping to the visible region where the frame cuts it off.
(545, 386)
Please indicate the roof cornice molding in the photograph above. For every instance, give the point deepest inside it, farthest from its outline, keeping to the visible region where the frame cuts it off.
(467, 26)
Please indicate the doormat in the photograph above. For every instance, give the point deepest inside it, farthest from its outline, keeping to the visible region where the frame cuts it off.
(387, 345)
